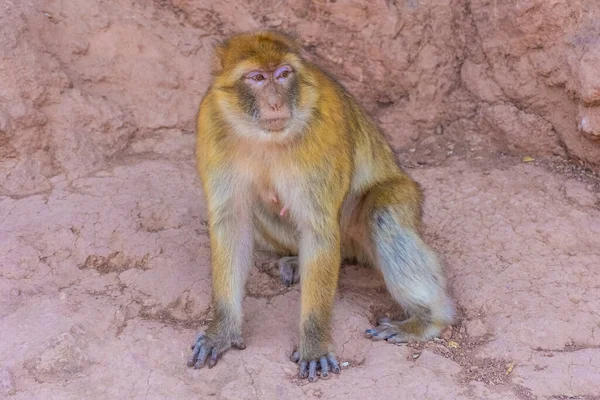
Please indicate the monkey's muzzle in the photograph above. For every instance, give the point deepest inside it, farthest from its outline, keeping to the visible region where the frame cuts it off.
(274, 124)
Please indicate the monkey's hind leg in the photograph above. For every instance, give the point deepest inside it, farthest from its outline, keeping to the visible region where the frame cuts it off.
(412, 274)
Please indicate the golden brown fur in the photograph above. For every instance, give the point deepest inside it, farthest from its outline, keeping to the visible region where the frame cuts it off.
(345, 197)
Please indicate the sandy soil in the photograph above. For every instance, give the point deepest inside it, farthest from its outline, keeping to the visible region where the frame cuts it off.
(105, 282)
(104, 258)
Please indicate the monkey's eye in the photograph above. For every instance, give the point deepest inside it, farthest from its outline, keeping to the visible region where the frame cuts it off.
(283, 72)
(256, 76)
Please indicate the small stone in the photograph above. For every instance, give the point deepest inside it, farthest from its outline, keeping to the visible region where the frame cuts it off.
(345, 364)
(275, 22)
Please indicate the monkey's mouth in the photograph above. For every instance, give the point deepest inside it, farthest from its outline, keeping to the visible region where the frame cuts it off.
(274, 124)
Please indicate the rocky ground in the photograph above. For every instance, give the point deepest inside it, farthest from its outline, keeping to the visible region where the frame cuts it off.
(104, 257)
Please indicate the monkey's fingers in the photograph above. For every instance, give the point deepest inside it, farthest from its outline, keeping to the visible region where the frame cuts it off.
(335, 365)
(324, 368)
(295, 357)
(380, 333)
(209, 351)
(201, 359)
(312, 371)
(303, 369)
(387, 330)
(194, 356)
(309, 369)
(198, 339)
(202, 349)
(214, 358)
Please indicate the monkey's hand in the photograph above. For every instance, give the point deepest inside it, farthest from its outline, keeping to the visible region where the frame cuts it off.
(308, 368)
(214, 346)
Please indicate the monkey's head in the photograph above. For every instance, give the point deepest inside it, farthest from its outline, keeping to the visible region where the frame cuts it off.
(262, 86)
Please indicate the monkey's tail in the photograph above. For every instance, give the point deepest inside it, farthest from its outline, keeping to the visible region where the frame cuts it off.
(412, 271)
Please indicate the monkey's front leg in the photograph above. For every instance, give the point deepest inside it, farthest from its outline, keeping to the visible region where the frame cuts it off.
(319, 270)
(231, 235)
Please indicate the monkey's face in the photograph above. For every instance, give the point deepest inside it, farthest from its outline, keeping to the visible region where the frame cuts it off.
(268, 96)
(263, 88)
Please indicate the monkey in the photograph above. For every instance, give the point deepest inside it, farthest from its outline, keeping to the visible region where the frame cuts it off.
(290, 163)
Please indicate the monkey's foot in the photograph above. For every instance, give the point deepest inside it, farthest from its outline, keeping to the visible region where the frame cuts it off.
(405, 331)
(308, 368)
(205, 346)
(289, 268)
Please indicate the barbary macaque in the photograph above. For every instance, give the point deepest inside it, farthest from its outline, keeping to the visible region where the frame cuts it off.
(291, 163)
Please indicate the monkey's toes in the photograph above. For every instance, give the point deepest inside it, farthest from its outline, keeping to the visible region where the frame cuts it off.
(309, 368)
(289, 270)
(206, 349)
(387, 330)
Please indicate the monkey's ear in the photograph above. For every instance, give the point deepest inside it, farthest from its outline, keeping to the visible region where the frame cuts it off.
(217, 62)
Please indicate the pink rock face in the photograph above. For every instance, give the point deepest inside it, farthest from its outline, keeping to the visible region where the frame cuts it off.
(589, 75)
(81, 81)
(104, 249)
(589, 122)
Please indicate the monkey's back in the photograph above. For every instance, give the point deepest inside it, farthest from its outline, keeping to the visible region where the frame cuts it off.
(373, 159)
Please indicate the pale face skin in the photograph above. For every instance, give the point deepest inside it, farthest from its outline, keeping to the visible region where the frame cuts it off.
(268, 96)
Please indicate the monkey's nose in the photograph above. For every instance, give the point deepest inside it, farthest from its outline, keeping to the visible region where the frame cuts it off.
(275, 106)
(275, 102)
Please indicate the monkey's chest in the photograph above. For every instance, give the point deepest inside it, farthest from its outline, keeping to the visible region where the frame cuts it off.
(271, 201)
(279, 189)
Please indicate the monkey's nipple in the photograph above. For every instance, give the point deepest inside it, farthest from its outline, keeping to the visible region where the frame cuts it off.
(283, 211)
(275, 200)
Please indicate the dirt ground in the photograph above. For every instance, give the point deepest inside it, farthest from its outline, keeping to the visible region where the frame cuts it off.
(104, 257)
(105, 282)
